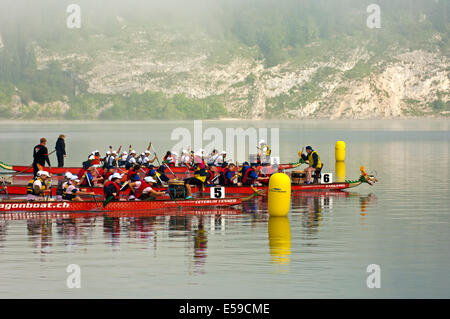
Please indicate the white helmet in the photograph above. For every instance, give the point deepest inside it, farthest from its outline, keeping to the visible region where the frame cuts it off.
(68, 175)
(149, 179)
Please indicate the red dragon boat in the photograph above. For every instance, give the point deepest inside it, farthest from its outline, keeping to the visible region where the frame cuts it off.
(75, 170)
(92, 206)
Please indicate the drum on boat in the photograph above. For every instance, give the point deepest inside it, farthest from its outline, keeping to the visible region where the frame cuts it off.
(177, 189)
(297, 177)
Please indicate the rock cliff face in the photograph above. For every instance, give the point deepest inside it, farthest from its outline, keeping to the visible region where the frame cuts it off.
(351, 84)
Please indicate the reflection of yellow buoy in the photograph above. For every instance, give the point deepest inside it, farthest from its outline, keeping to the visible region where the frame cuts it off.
(340, 151)
(279, 239)
(279, 194)
(340, 172)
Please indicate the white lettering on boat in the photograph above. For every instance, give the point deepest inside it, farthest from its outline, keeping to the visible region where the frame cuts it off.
(15, 206)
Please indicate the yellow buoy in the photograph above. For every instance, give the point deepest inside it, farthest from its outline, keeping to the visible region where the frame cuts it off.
(279, 239)
(279, 194)
(340, 151)
(340, 172)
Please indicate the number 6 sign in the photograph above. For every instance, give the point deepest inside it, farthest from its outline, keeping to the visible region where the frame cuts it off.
(217, 192)
(327, 178)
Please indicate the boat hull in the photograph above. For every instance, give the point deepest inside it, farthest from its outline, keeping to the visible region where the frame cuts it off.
(244, 190)
(88, 206)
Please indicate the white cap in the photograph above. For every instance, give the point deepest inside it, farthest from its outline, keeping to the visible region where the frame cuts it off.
(74, 177)
(68, 175)
(93, 153)
(142, 154)
(114, 152)
(133, 152)
(223, 152)
(96, 151)
(147, 152)
(116, 175)
(201, 150)
(41, 173)
(108, 153)
(184, 152)
(175, 153)
(199, 154)
(149, 179)
(261, 142)
(125, 153)
(92, 157)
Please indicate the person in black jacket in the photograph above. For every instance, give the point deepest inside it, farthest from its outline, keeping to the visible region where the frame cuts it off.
(40, 156)
(60, 148)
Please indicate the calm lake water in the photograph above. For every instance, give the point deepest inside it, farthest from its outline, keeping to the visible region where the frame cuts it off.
(322, 250)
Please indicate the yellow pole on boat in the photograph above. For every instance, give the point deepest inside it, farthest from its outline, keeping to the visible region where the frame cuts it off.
(340, 161)
(279, 239)
(279, 201)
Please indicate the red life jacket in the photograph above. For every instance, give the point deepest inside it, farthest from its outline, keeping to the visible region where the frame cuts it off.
(141, 188)
(107, 175)
(223, 176)
(96, 160)
(81, 173)
(108, 183)
(245, 177)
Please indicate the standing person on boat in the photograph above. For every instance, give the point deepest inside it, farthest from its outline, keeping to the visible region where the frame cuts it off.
(60, 148)
(313, 161)
(40, 156)
(264, 152)
(37, 188)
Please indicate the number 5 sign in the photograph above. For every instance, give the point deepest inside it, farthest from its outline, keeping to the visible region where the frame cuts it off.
(327, 178)
(217, 192)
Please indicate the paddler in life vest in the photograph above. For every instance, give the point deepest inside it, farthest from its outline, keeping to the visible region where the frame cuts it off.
(170, 159)
(111, 189)
(95, 158)
(185, 159)
(37, 188)
(313, 161)
(62, 184)
(158, 175)
(201, 175)
(228, 176)
(71, 192)
(249, 176)
(142, 189)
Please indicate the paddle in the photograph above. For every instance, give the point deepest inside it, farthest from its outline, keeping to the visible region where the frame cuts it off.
(163, 162)
(26, 169)
(92, 190)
